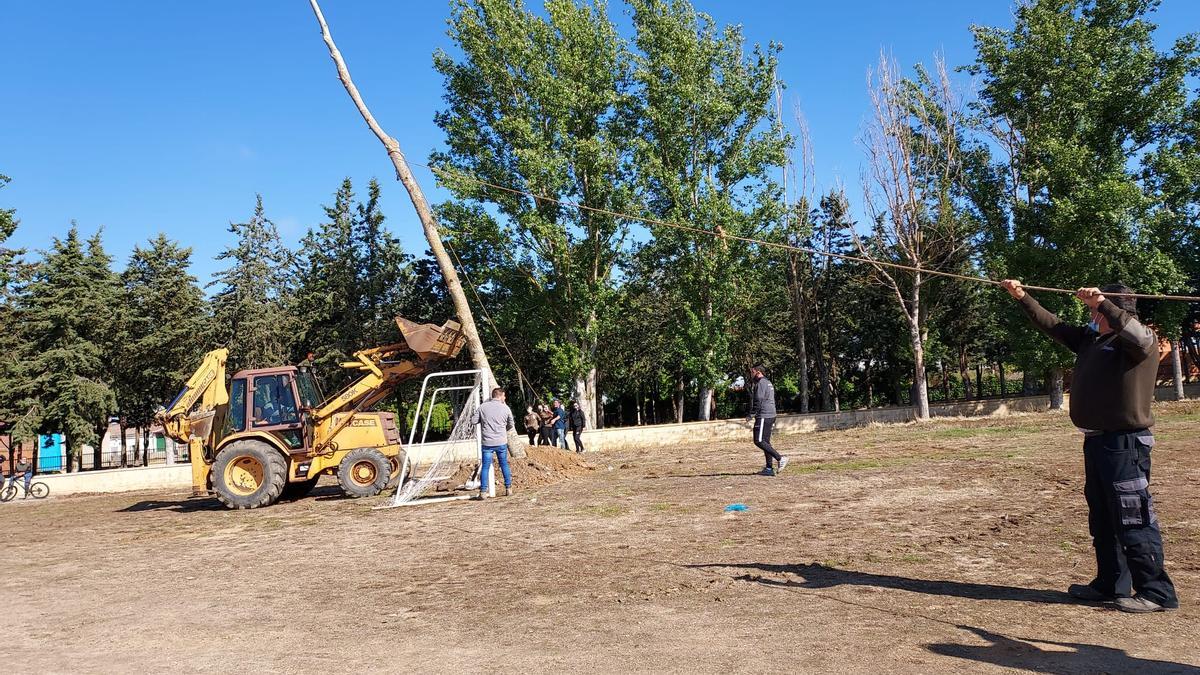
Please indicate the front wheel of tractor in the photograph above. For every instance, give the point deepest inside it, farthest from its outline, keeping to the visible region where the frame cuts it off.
(364, 472)
(249, 474)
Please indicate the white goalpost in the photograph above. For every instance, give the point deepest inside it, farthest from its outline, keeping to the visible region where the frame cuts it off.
(428, 463)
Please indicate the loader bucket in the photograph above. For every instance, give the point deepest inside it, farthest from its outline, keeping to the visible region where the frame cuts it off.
(432, 342)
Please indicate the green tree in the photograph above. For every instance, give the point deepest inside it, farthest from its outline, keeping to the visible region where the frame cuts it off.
(67, 311)
(8, 256)
(541, 104)
(1073, 95)
(13, 271)
(251, 308)
(831, 281)
(353, 279)
(328, 295)
(1172, 175)
(706, 142)
(162, 336)
(386, 275)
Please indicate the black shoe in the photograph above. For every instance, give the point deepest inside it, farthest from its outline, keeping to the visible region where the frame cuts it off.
(1140, 605)
(767, 471)
(1088, 593)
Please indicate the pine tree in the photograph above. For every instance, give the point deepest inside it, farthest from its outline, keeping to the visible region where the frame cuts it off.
(328, 296)
(385, 272)
(251, 309)
(354, 278)
(12, 271)
(68, 312)
(162, 333)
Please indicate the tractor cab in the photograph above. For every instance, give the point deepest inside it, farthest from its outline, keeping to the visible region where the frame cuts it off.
(273, 401)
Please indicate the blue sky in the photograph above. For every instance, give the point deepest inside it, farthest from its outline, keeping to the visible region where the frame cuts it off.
(150, 116)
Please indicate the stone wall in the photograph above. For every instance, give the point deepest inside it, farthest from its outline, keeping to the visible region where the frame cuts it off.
(660, 435)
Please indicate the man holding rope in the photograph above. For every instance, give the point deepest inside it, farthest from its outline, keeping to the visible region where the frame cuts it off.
(1112, 386)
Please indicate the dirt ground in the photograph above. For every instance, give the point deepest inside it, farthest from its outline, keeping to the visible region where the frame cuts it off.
(938, 548)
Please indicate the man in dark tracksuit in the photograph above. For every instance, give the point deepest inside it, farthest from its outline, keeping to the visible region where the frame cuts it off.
(1112, 386)
(576, 422)
(762, 410)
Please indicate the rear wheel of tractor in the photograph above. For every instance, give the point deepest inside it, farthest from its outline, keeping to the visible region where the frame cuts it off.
(298, 490)
(249, 474)
(364, 472)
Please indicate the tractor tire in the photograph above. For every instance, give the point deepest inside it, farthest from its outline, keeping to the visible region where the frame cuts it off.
(249, 474)
(364, 472)
(395, 463)
(298, 490)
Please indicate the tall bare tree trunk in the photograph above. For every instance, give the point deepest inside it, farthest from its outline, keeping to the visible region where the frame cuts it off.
(704, 405)
(1177, 369)
(1027, 383)
(1054, 383)
(798, 315)
(823, 377)
(920, 385)
(679, 399)
(1000, 373)
(428, 224)
(835, 385)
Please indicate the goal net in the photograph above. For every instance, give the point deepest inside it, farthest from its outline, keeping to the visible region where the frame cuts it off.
(444, 464)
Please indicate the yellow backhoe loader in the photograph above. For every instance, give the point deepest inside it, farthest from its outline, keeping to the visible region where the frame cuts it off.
(269, 433)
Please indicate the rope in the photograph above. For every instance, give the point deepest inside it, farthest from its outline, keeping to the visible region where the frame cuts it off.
(488, 316)
(773, 244)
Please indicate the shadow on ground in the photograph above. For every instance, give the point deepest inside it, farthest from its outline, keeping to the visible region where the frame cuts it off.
(822, 576)
(1068, 657)
(732, 474)
(189, 505)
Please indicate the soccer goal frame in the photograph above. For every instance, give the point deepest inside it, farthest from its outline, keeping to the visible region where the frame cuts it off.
(476, 396)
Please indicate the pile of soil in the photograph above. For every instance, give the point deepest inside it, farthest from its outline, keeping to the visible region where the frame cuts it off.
(541, 465)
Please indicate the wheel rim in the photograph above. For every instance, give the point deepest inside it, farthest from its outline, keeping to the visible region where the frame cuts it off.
(244, 475)
(39, 490)
(363, 473)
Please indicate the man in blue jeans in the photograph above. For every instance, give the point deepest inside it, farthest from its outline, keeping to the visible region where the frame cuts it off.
(495, 421)
(560, 425)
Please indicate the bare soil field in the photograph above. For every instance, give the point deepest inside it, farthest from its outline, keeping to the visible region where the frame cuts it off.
(944, 547)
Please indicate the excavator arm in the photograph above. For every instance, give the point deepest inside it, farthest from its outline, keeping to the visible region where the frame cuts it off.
(192, 412)
(386, 367)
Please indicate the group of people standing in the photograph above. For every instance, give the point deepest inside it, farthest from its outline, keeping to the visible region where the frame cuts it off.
(495, 421)
(549, 425)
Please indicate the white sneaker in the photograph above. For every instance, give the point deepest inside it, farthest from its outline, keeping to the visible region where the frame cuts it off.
(783, 462)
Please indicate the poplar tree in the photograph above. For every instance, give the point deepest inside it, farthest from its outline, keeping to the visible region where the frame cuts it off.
(540, 103)
(1072, 96)
(706, 143)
